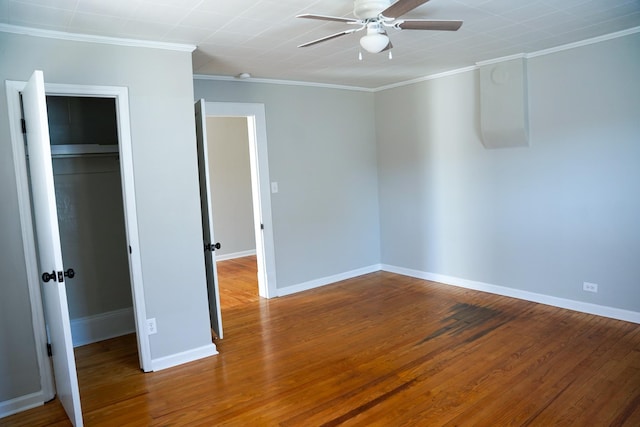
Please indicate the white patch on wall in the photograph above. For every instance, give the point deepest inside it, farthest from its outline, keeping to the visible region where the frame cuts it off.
(504, 103)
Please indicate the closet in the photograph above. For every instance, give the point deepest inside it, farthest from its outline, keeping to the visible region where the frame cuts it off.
(89, 198)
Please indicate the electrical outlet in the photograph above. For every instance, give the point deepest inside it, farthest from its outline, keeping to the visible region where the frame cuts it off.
(151, 326)
(590, 287)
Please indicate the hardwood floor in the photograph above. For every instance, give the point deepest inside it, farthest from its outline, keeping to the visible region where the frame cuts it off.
(380, 349)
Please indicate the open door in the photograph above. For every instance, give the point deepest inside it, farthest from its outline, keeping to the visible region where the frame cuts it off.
(207, 221)
(49, 251)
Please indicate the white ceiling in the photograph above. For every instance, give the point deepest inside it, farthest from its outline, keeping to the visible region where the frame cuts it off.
(261, 36)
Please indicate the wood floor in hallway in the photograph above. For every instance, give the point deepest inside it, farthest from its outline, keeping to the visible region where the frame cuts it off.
(377, 350)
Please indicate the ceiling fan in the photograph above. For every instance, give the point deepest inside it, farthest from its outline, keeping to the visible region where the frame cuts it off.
(375, 16)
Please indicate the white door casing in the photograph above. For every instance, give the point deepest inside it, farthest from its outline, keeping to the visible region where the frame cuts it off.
(125, 149)
(49, 251)
(208, 237)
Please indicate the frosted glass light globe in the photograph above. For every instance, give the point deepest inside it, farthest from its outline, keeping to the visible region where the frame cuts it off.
(374, 42)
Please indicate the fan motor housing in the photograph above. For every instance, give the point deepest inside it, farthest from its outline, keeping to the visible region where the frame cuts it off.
(369, 9)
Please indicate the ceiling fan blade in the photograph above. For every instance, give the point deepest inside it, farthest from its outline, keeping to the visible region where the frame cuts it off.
(426, 24)
(332, 36)
(401, 7)
(328, 18)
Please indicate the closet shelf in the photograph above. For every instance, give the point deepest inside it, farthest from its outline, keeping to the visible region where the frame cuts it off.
(73, 150)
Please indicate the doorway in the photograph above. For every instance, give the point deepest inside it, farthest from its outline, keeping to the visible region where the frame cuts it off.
(255, 130)
(232, 202)
(65, 367)
(88, 189)
(254, 117)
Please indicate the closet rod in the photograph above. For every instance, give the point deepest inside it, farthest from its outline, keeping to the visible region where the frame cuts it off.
(85, 155)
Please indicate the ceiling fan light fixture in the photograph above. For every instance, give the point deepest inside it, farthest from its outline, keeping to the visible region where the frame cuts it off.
(377, 15)
(374, 42)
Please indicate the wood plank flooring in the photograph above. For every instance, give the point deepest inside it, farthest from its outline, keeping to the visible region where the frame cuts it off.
(377, 350)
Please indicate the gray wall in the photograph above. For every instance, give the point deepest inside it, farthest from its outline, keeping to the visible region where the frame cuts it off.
(92, 233)
(230, 176)
(542, 219)
(322, 153)
(165, 162)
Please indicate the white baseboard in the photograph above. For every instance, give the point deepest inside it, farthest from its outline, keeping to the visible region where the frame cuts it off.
(184, 357)
(327, 280)
(87, 330)
(583, 307)
(22, 403)
(235, 255)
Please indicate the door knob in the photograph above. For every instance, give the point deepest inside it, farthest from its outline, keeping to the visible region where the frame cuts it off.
(212, 246)
(46, 276)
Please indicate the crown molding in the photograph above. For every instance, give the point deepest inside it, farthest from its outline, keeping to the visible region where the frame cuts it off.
(89, 38)
(502, 59)
(425, 78)
(585, 42)
(281, 82)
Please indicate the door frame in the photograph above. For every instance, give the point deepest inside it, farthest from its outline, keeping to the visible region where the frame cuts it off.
(260, 185)
(121, 96)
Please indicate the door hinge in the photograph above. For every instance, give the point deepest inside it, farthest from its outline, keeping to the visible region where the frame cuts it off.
(24, 126)
(130, 249)
(261, 226)
(49, 352)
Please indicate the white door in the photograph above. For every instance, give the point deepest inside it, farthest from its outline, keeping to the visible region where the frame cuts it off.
(49, 252)
(209, 243)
